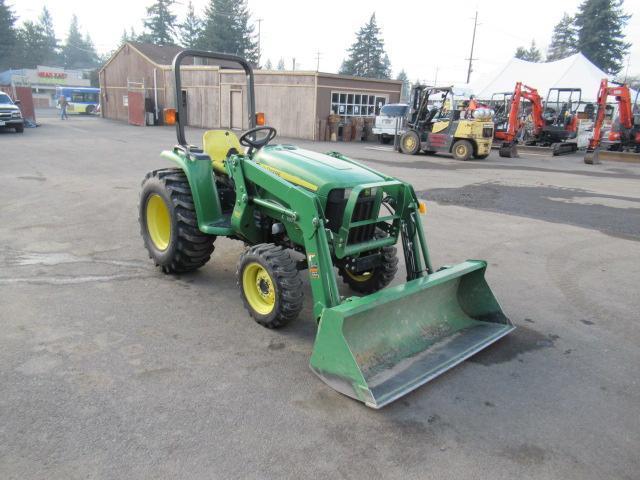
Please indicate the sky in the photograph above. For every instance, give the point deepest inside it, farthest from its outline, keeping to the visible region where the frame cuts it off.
(429, 39)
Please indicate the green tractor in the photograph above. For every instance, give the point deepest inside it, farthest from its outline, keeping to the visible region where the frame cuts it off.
(300, 210)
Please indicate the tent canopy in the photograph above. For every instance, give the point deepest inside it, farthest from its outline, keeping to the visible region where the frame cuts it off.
(575, 71)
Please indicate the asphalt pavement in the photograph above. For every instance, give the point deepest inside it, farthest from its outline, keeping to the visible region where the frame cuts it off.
(111, 369)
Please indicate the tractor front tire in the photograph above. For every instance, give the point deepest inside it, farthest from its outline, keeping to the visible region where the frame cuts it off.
(462, 150)
(377, 278)
(410, 143)
(168, 223)
(270, 285)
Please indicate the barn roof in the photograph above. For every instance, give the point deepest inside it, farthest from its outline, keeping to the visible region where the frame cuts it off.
(160, 54)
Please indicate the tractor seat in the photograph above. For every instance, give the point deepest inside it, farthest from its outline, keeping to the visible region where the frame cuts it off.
(219, 145)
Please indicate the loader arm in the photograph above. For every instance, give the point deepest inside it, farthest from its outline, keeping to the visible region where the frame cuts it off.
(623, 98)
(531, 94)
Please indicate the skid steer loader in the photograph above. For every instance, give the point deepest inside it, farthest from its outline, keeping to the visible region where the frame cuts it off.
(284, 201)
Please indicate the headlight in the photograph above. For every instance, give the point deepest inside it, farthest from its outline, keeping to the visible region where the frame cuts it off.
(16, 115)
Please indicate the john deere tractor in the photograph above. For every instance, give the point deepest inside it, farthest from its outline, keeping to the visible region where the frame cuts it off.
(438, 123)
(298, 210)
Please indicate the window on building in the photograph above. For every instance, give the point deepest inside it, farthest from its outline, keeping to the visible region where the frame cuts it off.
(356, 104)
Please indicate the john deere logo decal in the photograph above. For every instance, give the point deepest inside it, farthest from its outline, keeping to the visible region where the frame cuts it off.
(313, 266)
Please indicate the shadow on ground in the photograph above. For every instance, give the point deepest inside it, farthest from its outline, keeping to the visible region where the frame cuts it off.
(613, 215)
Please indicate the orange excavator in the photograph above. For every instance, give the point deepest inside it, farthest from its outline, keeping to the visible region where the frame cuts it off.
(623, 141)
(509, 119)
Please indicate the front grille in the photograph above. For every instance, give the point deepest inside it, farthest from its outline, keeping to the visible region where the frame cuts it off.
(362, 211)
(487, 132)
(5, 114)
(334, 212)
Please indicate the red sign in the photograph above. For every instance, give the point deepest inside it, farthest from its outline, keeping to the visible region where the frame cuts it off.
(52, 74)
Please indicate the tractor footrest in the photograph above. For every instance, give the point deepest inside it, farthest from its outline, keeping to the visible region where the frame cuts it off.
(221, 227)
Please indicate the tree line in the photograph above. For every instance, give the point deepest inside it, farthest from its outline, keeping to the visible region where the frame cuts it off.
(35, 43)
(225, 26)
(595, 30)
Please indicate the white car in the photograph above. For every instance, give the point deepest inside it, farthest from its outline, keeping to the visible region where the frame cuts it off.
(10, 115)
(385, 124)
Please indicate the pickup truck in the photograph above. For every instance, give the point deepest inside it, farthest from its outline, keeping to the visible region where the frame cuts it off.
(10, 115)
(385, 124)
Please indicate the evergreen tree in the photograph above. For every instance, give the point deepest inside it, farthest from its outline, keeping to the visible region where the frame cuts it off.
(406, 87)
(78, 52)
(563, 41)
(92, 57)
(191, 29)
(268, 65)
(8, 36)
(530, 55)
(227, 29)
(160, 23)
(30, 45)
(600, 35)
(281, 64)
(36, 43)
(125, 37)
(50, 48)
(367, 57)
(72, 53)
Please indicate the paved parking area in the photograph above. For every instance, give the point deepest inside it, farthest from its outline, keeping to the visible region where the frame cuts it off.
(110, 369)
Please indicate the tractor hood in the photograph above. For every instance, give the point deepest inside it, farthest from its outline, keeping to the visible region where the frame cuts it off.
(314, 171)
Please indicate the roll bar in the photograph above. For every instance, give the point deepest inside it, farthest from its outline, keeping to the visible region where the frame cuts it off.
(177, 61)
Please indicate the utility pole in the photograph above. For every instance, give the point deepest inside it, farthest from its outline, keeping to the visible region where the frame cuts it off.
(318, 53)
(473, 41)
(259, 20)
(294, 64)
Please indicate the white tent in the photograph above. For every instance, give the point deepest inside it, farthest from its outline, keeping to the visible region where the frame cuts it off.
(575, 71)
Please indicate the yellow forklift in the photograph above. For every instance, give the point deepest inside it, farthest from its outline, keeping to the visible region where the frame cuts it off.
(440, 123)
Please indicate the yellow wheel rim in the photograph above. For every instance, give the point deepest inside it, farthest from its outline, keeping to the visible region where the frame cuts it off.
(258, 288)
(409, 143)
(158, 221)
(461, 150)
(362, 277)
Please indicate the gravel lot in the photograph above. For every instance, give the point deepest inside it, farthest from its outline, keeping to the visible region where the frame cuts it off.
(110, 369)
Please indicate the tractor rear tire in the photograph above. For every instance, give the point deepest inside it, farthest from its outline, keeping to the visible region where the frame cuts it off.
(378, 278)
(270, 285)
(462, 150)
(410, 143)
(168, 223)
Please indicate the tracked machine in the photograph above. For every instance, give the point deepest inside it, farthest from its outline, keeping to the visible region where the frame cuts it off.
(623, 140)
(436, 125)
(559, 121)
(298, 210)
(509, 117)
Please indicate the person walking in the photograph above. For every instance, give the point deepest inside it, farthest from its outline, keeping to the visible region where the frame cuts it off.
(63, 103)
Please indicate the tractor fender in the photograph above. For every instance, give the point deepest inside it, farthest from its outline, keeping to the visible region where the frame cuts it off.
(199, 173)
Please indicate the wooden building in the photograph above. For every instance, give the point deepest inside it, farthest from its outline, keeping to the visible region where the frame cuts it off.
(296, 103)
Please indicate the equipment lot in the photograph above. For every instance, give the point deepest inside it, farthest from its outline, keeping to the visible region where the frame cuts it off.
(110, 369)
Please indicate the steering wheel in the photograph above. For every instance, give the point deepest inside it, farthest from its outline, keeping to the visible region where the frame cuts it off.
(248, 138)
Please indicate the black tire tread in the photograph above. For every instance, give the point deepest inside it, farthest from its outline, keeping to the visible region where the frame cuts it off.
(382, 275)
(193, 248)
(283, 270)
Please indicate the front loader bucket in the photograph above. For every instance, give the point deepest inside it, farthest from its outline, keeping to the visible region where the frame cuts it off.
(380, 347)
